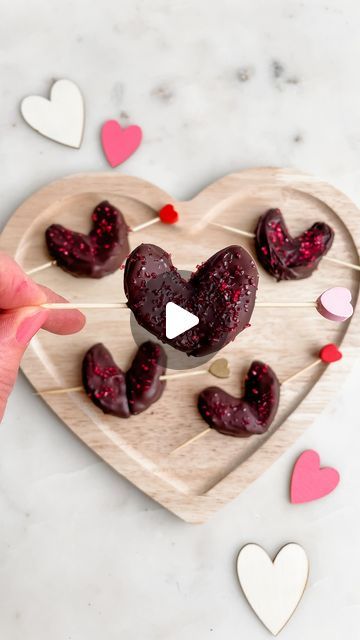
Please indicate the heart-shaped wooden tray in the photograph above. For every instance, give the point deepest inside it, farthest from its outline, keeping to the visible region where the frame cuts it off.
(198, 480)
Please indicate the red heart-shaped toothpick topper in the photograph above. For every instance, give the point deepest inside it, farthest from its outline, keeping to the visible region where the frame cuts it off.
(330, 353)
(168, 215)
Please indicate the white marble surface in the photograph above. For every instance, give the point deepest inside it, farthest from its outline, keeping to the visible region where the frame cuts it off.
(217, 86)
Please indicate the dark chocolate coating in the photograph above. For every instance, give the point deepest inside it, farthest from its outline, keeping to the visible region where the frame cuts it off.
(144, 386)
(285, 257)
(246, 416)
(122, 394)
(221, 292)
(105, 382)
(95, 255)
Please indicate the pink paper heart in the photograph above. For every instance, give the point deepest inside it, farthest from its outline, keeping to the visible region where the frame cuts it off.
(335, 304)
(119, 143)
(309, 481)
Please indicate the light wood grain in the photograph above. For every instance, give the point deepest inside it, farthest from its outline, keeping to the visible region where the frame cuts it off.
(195, 485)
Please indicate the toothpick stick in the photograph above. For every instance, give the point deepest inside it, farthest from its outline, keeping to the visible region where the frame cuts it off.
(218, 368)
(144, 225)
(248, 234)
(329, 353)
(84, 305)
(52, 263)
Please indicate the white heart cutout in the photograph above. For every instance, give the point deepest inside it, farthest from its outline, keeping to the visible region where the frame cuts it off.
(61, 118)
(273, 588)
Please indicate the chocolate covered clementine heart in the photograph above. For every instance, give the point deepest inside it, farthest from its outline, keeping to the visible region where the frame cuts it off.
(97, 254)
(122, 394)
(221, 293)
(285, 257)
(251, 414)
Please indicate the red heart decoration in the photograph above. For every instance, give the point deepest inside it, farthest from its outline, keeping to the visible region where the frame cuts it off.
(251, 414)
(310, 482)
(120, 394)
(168, 215)
(330, 353)
(119, 143)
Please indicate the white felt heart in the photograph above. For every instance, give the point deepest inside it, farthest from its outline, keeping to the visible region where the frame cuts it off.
(273, 589)
(61, 118)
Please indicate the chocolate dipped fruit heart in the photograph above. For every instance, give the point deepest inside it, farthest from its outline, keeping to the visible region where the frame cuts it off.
(243, 417)
(221, 293)
(97, 254)
(143, 383)
(285, 257)
(122, 394)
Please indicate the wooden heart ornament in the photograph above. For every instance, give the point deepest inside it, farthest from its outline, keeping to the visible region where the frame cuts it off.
(193, 483)
(273, 588)
(61, 118)
(309, 481)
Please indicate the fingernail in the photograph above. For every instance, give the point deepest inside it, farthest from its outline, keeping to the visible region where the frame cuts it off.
(29, 327)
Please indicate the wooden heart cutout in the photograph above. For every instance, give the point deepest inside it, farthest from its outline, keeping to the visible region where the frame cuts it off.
(61, 118)
(273, 588)
(220, 368)
(198, 480)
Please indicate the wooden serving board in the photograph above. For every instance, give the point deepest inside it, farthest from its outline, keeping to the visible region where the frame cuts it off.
(200, 479)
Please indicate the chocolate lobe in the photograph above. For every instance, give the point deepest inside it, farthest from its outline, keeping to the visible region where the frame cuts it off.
(144, 386)
(105, 382)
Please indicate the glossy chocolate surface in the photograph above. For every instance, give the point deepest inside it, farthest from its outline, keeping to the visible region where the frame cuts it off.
(221, 293)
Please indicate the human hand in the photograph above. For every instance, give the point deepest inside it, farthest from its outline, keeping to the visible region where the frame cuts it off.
(21, 318)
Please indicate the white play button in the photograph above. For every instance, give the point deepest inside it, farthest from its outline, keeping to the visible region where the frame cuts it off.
(178, 320)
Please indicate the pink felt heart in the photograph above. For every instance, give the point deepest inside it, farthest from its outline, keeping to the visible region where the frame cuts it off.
(335, 304)
(119, 143)
(309, 481)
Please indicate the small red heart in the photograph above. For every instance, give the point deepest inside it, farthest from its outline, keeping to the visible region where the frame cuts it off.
(168, 215)
(119, 143)
(310, 481)
(330, 353)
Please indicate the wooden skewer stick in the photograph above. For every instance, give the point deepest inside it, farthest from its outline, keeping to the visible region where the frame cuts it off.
(52, 263)
(84, 305)
(288, 379)
(218, 368)
(248, 234)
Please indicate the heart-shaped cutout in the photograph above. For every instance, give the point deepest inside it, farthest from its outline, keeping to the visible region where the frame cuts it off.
(221, 293)
(119, 143)
(309, 481)
(97, 254)
(168, 215)
(335, 304)
(330, 353)
(273, 588)
(61, 118)
(243, 417)
(285, 257)
(198, 481)
(220, 368)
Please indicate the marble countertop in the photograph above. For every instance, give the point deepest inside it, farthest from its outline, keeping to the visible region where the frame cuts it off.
(216, 86)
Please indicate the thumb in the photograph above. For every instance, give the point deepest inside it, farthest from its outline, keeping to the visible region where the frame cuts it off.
(17, 327)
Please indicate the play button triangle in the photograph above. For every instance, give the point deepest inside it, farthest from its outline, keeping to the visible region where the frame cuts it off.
(178, 320)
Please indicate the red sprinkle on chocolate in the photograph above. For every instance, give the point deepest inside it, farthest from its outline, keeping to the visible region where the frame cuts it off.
(330, 353)
(168, 215)
(246, 416)
(285, 257)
